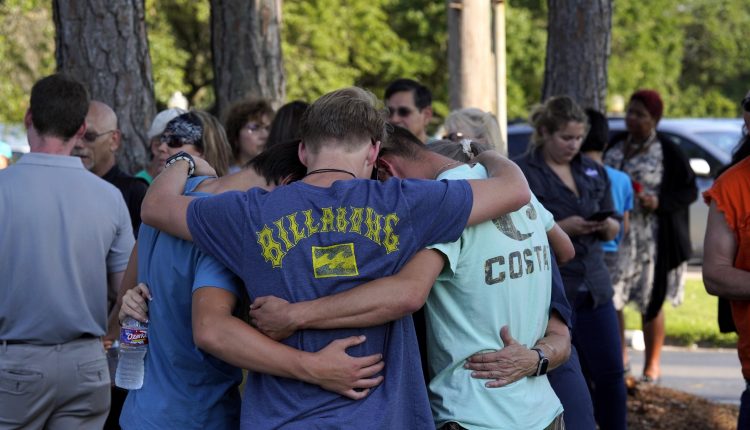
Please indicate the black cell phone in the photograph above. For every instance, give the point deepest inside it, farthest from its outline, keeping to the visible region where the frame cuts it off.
(600, 216)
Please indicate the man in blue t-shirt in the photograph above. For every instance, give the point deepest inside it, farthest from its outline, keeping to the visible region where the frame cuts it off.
(326, 234)
(505, 262)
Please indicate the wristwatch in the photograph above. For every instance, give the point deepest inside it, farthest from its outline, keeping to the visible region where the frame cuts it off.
(541, 367)
(182, 155)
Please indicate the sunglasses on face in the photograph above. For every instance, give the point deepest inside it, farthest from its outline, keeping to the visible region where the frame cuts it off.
(401, 111)
(91, 136)
(175, 142)
(745, 103)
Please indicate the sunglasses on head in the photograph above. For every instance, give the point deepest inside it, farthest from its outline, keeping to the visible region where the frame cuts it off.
(401, 111)
(745, 103)
(456, 136)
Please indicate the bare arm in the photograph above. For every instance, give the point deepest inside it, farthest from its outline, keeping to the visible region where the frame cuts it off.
(114, 280)
(376, 302)
(219, 333)
(505, 191)
(239, 181)
(608, 229)
(720, 276)
(127, 280)
(164, 206)
(516, 361)
(561, 244)
(625, 223)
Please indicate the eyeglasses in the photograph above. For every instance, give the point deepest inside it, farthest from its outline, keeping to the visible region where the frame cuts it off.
(401, 111)
(253, 127)
(745, 103)
(91, 136)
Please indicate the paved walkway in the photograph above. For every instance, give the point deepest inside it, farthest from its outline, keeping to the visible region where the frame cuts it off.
(713, 374)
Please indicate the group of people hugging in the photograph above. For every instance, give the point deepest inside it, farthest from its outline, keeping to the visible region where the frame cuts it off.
(366, 275)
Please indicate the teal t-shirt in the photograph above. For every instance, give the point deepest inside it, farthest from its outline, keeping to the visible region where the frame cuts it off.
(143, 174)
(498, 273)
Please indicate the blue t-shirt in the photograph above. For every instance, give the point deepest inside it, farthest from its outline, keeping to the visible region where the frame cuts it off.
(301, 242)
(182, 387)
(622, 197)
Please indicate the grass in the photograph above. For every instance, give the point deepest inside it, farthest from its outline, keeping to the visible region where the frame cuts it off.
(693, 322)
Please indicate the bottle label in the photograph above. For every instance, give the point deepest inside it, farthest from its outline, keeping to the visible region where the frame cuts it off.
(133, 336)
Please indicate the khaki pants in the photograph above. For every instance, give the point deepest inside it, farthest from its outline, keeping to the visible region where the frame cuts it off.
(62, 386)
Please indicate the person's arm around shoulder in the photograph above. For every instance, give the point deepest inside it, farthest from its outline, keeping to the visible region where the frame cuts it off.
(506, 190)
(376, 302)
(720, 276)
(218, 332)
(516, 361)
(164, 206)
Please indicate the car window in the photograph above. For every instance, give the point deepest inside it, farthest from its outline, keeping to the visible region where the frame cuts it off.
(692, 150)
(725, 140)
(517, 143)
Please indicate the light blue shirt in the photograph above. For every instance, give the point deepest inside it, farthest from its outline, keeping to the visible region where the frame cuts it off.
(622, 197)
(498, 273)
(183, 387)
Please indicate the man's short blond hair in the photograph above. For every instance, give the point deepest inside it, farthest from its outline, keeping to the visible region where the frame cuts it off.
(347, 118)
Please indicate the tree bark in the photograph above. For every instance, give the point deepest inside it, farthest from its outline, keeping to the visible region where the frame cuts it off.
(246, 47)
(103, 44)
(578, 47)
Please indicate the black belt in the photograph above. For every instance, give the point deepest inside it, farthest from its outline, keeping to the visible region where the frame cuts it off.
(24, 342)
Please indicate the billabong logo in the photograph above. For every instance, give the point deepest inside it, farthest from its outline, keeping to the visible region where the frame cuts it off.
(333, 261)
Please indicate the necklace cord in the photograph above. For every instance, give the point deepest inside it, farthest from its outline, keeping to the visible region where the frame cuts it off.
(330, 171)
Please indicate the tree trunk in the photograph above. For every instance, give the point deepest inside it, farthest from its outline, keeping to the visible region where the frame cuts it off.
(246, 47)
(103, 43)
(578, 46)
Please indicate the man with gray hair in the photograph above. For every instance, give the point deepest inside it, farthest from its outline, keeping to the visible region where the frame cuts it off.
(65, 234)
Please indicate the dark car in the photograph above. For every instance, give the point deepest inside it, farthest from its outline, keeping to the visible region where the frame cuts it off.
(707, 143)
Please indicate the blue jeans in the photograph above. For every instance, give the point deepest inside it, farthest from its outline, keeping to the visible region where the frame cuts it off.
(743, 422)
(570, 386)
(596, 336)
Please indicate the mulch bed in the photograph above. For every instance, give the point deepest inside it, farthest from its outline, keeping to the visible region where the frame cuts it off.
(651, 407)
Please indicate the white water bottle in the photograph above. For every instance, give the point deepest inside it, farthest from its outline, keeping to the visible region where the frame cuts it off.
(133, 346)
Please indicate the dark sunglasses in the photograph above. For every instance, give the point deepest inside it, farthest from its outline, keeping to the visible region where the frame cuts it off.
(745, 103)
(401, 111)
(91, 136)
(175, 142)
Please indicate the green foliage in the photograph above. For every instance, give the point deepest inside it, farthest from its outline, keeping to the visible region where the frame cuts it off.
(27, 43)
(329, 44)
(647, 48)
(692, 51)
(526, 41)
(180, 47)
(693, 322)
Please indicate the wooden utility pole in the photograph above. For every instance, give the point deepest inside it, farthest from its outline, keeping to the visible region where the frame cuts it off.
(246, 47)
(470, 62)
(501, 72)
(103, 44)
(476, 57)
